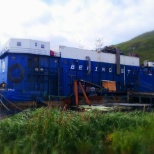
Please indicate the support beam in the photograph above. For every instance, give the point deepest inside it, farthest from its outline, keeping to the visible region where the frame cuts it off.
(76, 93)
(85, 96)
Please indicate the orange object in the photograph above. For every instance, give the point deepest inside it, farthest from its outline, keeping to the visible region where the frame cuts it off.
(111, 85)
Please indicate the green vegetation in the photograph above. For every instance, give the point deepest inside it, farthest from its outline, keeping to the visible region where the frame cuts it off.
(142, 45)
(48, 130)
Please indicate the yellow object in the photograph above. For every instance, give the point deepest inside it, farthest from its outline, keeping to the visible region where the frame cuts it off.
(111, 85)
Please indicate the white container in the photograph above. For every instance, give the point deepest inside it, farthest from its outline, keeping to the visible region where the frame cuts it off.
(75, 53)
(150, 64)
(145, 63)
(131, 61)
(26, 46)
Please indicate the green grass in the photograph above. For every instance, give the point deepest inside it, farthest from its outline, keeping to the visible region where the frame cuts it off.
(143, 45)
(48, 130)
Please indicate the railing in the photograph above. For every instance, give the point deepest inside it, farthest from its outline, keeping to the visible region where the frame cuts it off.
(26, 50)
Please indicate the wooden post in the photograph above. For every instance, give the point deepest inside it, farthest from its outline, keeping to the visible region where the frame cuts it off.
(85, 96)
(76, 93)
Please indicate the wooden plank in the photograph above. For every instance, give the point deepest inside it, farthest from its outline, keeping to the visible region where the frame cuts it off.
(83, 91)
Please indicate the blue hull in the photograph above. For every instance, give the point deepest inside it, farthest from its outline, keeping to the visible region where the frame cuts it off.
(31, 77)
(16, 97)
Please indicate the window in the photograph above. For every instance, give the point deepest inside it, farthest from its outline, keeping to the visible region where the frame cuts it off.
(36, 44)
(42, 46)
(18, 43)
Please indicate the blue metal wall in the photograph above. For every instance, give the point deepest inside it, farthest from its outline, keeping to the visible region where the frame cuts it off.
(73, 69)
(15, 73)
(40, 74)
(47, 75)
(145, 80)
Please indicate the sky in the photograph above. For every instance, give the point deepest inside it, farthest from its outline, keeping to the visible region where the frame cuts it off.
(75, 23)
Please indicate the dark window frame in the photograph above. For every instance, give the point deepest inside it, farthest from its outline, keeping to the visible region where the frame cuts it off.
(42, 46)
(18, 44)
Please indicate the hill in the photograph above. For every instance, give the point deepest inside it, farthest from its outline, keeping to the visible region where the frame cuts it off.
(142, 46)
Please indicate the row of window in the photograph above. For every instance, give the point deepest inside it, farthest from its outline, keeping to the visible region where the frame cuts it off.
(42, 45)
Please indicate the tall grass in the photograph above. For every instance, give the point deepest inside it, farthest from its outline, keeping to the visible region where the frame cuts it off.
(53, 131)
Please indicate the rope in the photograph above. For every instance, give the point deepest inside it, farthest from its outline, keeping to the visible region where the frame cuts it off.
(11, 103)
(4, 105)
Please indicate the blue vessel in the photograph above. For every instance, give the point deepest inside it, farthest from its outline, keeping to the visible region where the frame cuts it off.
(145, 78)
(30, 70)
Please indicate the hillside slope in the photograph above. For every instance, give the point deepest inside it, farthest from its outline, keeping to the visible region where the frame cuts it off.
(142, 45)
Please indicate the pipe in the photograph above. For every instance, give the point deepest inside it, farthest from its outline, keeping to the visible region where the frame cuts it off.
(89, 64)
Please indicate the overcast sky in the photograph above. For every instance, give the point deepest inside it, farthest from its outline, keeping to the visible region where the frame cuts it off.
(77, 23)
